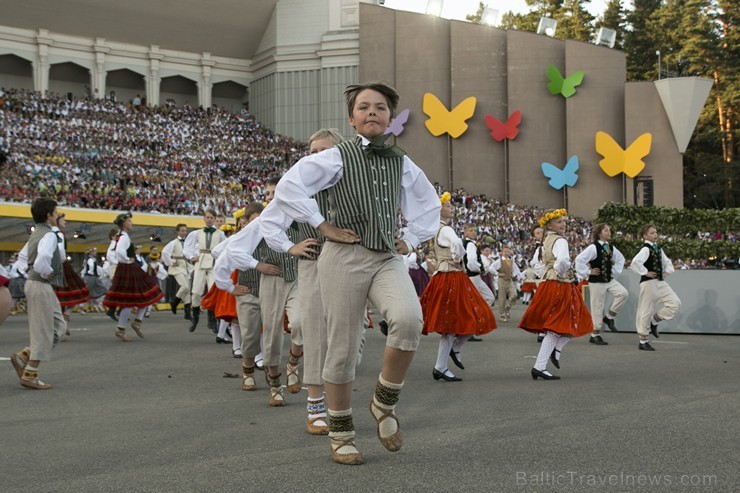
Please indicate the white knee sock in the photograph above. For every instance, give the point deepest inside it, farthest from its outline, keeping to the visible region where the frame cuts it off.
(236, 335)
(548, 344)
(123, 317)
(222, 326)
(445, 344)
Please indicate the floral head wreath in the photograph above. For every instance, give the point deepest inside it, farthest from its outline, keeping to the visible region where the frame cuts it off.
(446, 197)
(239, 213)
(549, 216)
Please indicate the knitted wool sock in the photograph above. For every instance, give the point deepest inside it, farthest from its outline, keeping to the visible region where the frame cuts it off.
(317, 410)
(385, 399)
(342, 432)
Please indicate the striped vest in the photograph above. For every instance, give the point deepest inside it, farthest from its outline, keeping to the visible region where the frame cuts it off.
(306, 231)
(366, 198)
(288, 263)
(57, 278)
(251, 279)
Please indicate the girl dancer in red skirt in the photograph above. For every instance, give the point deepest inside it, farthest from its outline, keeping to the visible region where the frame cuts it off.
(557, 308)
(132, 287)
(75, 291)
(451, 304)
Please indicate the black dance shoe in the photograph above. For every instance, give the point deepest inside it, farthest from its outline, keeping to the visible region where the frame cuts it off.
(112, 313)
(598, 341)
(540, 338)
(445, 375)
(645, 346)
(609, 322)
(554, 360)
(455, 359)
(654, 330)
(474, 339)
(544, 375)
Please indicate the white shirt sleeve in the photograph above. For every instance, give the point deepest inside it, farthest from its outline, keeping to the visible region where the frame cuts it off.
(667, 264)
(582, 268)
(419, 204)
(274, 223)
(638, 262)
(448, 239)
(242, 247)
(167, 252)
(121, 256)
(110, 255)
(21, 263)
(218, 249)
(562, 256)
(46, 249)
(190, 249)
(471, 259)
(618, 262)
(222, 272)
(303, 181)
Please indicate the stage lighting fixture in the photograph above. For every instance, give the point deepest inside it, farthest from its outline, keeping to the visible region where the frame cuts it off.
(489, 17)
(434, 7)
(547, 26)
(606, 37)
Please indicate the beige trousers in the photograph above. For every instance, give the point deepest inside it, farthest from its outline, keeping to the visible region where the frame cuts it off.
(250, 323)
(183, 285)
(597, 297)
(313, 324)
(278, 296)
(652, 293)
(350, 275)
(506, 295)
(203, 279)
(44, 318)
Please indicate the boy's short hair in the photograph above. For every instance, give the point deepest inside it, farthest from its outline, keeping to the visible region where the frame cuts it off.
(41, 208)
(384, 88)
(180, 225)
(211, 212)
(112, 233)
(221, 214)
(327, 133)
(470, 226)
(253, 208)
(645, 229)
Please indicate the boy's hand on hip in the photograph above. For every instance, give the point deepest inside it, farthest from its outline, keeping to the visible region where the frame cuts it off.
(339, 235)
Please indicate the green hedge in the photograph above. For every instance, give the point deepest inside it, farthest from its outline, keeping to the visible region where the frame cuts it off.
(681, 225)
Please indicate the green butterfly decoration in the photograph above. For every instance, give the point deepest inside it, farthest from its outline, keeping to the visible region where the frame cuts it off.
(565, 86)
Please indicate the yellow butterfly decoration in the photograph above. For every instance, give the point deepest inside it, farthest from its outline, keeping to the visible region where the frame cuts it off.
(441, 120)
(617, 160)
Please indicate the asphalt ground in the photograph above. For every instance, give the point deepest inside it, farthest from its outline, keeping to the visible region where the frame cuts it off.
(158, 415)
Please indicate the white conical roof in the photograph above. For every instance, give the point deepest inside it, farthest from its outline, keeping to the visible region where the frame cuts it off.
(683, 98)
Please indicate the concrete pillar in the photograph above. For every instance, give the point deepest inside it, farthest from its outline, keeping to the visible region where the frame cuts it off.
(99, 73)
(153, 79)
(205, 86)
(41, 67)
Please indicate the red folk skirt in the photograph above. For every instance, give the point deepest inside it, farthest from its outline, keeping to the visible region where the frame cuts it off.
(132, 287)
(558, 307)
(529, 287)
(75, 292)
(221, 302)
(452, 305)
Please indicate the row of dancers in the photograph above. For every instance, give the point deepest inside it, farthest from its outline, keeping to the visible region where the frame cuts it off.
(324, 246)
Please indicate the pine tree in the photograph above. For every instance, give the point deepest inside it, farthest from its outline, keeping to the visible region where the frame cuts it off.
(640, 43)
(574, 21)
(476, 18)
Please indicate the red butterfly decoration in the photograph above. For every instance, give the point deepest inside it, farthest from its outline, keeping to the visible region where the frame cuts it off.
(508, 130)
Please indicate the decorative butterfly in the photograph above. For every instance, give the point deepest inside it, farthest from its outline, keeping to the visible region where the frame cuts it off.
(565, 86)
(508, 130)
(617, 160)
(565, 177)
(396, 126)
(441, 120)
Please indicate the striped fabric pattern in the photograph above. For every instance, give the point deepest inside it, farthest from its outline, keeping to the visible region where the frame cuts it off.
(366, 197)
(288, 264)
(306, 231)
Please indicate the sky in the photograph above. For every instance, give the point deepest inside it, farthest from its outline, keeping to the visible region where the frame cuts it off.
(458, 9)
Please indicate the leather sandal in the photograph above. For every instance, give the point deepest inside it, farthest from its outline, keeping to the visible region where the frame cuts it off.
(30, 380)
(276, 398)
(315, 429)
(121, 334)
(351, 459)
(136, 325)
(19, 363)
(392, 443)
(248, 381)
(293, 382)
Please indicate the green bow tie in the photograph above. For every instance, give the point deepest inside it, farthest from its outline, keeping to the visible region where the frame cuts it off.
(210, 229)
(381, 149)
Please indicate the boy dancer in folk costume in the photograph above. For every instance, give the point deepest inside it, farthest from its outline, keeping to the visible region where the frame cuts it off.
(368, 181)
(653, 266)
(173, 255)
(451, 304)
(313, 323)
(45, 317)
(508, 272)
(132, 287)
(92, 273)
(475, 265)
(600, 263)
(197, 248)
(246, 292)
(558, 309)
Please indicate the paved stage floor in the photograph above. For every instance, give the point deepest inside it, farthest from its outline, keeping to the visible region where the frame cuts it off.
(158, 415)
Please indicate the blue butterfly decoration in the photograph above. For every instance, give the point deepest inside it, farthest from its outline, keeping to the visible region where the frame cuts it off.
(565, 177)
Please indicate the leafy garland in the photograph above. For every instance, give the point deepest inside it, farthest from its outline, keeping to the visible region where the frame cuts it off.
(681, 225)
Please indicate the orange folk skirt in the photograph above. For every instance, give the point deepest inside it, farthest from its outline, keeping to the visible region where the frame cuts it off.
(452, 305)
(221, 302)
(557, 307)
